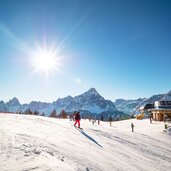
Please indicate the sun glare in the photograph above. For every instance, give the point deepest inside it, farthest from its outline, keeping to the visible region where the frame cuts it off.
(45, 60)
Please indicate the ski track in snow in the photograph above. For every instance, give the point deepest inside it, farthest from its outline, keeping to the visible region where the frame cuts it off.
(34, 143)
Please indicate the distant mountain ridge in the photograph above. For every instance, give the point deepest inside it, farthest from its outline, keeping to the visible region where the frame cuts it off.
(132, 106)
(154, 98)
(128, 106)
(90, 101)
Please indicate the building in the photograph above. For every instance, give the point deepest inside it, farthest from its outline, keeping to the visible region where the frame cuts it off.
(145, 110)
(161, 110)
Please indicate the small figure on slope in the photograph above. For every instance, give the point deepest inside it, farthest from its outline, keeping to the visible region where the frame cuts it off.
(94, 120)
(132, 127)
(150, 119)
(77, 119)
(150, 116)
(110, 120)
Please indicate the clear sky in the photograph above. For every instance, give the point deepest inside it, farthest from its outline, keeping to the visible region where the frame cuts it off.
(122, 48)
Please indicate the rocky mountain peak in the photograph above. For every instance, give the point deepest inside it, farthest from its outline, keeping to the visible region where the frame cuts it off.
(13, 102)
(2, 102)
(91, 92)
(68, 98)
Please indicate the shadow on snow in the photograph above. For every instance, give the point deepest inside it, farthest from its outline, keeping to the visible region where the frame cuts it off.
(89, 137)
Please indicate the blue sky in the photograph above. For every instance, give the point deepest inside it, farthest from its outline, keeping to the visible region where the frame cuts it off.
(120, 47)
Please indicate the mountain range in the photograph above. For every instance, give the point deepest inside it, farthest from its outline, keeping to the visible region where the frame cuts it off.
(128, 106)
(132, 106)
(90, 102)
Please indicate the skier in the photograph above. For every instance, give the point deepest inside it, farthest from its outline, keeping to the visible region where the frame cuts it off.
(150, 119)
(110, 120)
(132, 126)
(165, 126)
(94, 120)
(165, 118)
(77, 119)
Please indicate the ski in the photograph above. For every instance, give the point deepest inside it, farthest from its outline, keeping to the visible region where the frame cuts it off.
(78, 128)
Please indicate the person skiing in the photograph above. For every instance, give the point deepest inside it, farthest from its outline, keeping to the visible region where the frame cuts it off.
(77, 119)
(132, 127)
(110, 120)
(94, 120)
(150, 119)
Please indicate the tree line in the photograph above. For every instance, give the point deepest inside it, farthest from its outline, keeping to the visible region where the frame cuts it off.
(53, 114)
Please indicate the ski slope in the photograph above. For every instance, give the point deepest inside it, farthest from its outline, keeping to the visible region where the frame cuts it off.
(35, 143)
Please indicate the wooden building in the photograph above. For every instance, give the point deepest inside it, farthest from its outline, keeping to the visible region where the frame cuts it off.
(161, 110)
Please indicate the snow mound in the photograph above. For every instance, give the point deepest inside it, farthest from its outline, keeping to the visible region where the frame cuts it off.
(41, 143)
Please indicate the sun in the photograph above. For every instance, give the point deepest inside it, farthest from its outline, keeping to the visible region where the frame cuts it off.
(45, 60)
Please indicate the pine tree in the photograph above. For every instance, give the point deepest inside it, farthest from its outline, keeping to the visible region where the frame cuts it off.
(29, 112)
(36, 112)
(63, 114)
(53, 114)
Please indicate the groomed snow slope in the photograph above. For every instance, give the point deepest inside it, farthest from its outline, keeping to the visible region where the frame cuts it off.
(34, 143)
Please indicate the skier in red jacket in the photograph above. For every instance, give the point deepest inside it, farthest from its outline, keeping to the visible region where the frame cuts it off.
(77, 119)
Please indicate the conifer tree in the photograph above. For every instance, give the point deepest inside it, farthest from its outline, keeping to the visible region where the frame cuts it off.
(53, 114)
(36, 112)
(29, 112)
(63, 114)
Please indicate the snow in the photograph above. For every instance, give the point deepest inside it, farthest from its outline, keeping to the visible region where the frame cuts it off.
(47, 144)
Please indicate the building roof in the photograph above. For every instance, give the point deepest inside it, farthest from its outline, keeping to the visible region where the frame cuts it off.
(160, 109)
(147, 106)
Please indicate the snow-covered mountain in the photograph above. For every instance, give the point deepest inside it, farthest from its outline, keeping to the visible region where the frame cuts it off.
(34, 105)
(90, 101)
(127, 106)
(3, 106)
(167, 96)
(35, 143)
(13, 105)
(132, 106)
(150, 100)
